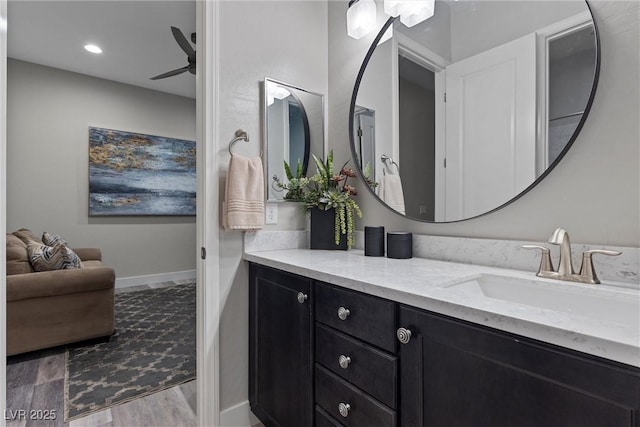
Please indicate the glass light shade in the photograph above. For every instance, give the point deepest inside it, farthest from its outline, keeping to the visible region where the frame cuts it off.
(417, 11)
(361, 18)
(394, 7)
(276, 92)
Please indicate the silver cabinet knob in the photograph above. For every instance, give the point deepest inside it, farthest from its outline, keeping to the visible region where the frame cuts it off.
(343, 313)
(344, 409)
(302, 297)
(404, 335)
(344, 361)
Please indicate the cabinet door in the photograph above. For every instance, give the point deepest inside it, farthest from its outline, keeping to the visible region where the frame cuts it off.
(453, 374)
(280, 356)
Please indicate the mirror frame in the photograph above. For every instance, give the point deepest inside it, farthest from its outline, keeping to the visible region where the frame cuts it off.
(307, 131)
(587, 109)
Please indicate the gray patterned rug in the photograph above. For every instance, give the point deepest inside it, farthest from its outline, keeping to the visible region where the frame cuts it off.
(153, 348)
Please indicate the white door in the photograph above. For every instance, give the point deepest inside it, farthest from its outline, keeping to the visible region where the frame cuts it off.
(490, 128)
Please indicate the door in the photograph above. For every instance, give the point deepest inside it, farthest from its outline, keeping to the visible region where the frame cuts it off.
(454, 374)
(280, 352)
(490, 128)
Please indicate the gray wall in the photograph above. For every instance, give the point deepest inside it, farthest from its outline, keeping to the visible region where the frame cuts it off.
(49, 112)
(417, 149)
(594, 193)
(256, 43)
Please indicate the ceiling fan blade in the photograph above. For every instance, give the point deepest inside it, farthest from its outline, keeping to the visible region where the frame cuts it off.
(184, 44)
(171, 73)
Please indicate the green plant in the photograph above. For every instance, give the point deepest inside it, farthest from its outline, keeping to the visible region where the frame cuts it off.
(329, 190)
(325, 190)
(295, 184)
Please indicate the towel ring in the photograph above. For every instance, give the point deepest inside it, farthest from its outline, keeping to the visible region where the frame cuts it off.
(240, 135)
(386, 158)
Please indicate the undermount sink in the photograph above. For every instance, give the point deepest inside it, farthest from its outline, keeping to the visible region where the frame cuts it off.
(604, 304)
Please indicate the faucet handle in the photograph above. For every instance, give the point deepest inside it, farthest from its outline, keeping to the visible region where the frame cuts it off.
(545, 262)
(587, 270)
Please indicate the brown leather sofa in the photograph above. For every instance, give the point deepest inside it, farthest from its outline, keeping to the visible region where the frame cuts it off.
(51, 308)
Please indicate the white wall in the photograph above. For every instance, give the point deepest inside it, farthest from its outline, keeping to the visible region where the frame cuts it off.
(377, 93)
(49, 112)
(594, 193)
(286, 41)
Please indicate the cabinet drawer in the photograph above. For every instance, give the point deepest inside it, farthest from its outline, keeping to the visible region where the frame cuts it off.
(370, 369)
(369, 318)
(364, 411)
(325, 420)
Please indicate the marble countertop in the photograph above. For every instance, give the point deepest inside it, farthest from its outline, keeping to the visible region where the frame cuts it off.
(423, 283)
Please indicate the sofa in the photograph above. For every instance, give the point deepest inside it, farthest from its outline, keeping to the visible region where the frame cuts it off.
(52, 308)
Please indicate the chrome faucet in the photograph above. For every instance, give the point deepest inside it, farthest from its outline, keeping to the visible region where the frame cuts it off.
(561, 237)
(565, 266)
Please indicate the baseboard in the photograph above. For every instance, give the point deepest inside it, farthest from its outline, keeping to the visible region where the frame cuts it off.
(239, 415)
(126, 282)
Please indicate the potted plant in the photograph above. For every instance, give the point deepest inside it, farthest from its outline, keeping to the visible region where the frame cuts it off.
(329, 199)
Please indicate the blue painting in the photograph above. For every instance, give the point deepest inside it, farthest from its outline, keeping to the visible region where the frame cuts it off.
(137, 174)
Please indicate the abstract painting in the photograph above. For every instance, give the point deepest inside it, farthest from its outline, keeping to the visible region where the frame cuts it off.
(137, 174)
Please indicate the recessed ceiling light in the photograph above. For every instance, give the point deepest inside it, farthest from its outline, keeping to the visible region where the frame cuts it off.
(93, 48)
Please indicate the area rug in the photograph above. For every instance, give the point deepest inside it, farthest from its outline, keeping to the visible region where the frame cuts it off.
(153, 348)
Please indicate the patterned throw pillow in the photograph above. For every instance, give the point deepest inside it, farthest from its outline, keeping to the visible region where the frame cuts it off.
(47, 258)
(50, 239)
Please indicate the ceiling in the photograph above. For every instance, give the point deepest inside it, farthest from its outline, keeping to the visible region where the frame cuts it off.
(135, 37)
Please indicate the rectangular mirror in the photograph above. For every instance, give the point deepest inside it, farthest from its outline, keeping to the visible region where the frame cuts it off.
(293, 129)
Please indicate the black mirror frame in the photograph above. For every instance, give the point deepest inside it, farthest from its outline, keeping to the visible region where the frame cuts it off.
(557, 160)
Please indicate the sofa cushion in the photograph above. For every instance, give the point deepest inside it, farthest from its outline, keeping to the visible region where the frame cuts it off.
(51, 239)
(26, 236)
(17, 256)
(46, 258)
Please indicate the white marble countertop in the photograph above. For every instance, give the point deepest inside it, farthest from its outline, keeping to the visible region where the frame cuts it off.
(423, 283)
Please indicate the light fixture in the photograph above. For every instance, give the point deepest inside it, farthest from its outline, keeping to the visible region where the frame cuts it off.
(416, 11)
(361, 18)
(394, 7)
(92, 48)
(274, 92)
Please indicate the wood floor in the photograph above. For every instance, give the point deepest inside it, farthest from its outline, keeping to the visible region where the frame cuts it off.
(35, 382)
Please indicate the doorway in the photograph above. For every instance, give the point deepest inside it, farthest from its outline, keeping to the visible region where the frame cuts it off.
(202, 133)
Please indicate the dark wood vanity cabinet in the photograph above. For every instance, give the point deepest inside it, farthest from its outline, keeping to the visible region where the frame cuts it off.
(335, 359)
(458, 374)
(280, 347)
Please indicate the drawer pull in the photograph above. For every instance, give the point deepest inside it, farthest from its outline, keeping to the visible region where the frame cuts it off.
(404, 335)
(344, 361)
(344, 409)
(302, 297)
(343, 313)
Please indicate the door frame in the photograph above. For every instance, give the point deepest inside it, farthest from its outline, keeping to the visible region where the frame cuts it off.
(208, 300)
(3, 204)
(543, 37)
(207, 219)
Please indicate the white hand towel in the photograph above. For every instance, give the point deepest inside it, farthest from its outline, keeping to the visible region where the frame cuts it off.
(244, 194)
(391, 192)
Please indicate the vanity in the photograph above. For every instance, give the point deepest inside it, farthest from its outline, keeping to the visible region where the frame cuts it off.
(343, 339)
(340, 339)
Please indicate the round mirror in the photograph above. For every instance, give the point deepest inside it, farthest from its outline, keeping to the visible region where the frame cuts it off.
(293, 129)
(463, 113)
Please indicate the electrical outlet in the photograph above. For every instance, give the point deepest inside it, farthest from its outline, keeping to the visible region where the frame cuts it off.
(271, 214)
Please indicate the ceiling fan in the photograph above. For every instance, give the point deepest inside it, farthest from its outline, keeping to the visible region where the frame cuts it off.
(186, 47)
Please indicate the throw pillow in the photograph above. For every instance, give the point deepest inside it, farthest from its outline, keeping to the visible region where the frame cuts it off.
(47, 258)
(51, 239)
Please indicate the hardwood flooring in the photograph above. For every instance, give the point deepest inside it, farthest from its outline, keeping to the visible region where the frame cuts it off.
(35, 385)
